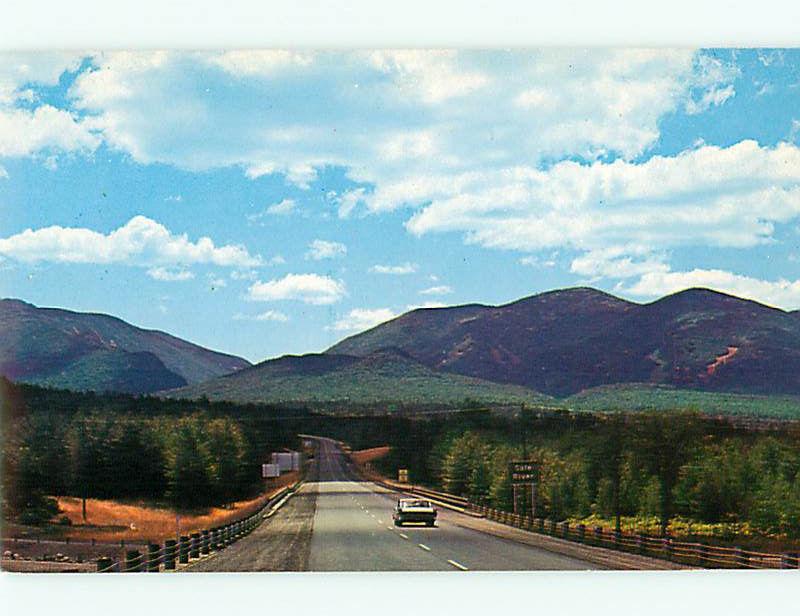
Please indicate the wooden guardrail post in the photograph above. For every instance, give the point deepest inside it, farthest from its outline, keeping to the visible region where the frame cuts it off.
(582, 533)
(133, 561)
(741, 559)
(205, 541)
(183, 550)
(640, 543)
(667, 545)
(598, 535)
(790, 560)
(702, 555)
(105, 565)
(153, 557)
(617, 535)
(565, 529)
(552, 527)
(194, 548)
(540, 525)
(169, 555)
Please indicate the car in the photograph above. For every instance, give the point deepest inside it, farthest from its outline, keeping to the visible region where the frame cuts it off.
(414, 510)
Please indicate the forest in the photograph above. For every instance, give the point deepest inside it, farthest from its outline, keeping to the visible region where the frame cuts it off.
(668, 471)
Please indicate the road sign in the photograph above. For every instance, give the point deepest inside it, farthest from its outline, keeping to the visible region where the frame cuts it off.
(402, 475)
(523, 472)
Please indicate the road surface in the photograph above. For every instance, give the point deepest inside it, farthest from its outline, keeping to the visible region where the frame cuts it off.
(337, 522)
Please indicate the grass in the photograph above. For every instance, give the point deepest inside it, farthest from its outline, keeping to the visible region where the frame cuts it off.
(109, 520)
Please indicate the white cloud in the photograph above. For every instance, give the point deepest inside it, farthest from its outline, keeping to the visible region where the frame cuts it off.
(216, 282)
(244, 275)
(141, 241)
(780, 293)
(307, 288)
(3, 173)
(321, 249)
(360, 319)
(169, 275)
(284, 207)
(24, 132)
(385, 121)
(396, 270)
(708, 196)
(534, 261)
(437, 290)
(269, 315)
(433, 76)
(615, 263)
(426, 305)
(18, 70)
(27, 130)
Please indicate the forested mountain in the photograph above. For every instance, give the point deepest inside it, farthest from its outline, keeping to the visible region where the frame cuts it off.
(564, 341)
(85, 351)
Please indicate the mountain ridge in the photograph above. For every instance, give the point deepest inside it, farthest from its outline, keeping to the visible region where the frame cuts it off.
(97, 351)
(563, 341)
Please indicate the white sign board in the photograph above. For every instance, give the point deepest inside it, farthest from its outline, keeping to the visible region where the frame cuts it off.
(270, 470)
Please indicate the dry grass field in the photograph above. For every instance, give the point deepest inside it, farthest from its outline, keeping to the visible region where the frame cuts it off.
(114, 521)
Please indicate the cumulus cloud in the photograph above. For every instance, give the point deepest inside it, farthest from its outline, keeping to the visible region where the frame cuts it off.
(33, 127)
(322, 249)
(169, 275)
(711, 196)
(437, 290)
(396, 270)
(780, 293)
(390, 117)
(141, 241)
(24, 132)
(308, 288)
(360, 319)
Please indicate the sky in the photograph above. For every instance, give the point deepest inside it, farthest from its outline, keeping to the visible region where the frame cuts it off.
(271, 202)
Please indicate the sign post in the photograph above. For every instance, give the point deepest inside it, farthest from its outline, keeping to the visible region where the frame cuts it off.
(524, 473)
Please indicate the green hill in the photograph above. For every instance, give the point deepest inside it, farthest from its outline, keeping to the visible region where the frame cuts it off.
(379, 378)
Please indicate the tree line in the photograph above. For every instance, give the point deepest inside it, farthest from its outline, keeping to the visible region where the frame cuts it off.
(667, 465)
(186, 462)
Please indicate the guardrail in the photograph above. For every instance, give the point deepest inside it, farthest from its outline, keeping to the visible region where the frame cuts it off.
(696, 554)
(154, 557)
(693, 554)
(170, 554)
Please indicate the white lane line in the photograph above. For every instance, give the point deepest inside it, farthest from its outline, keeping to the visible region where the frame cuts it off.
(404, 536)
(457, 565)
(424, 547)
(389, 528)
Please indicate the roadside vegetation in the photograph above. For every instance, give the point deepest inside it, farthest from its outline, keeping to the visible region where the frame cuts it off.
(675, 472)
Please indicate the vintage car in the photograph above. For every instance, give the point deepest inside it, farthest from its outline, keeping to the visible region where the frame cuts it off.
(414, 510)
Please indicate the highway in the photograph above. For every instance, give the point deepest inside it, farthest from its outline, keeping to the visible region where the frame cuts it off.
(337, 522)
(353, 531)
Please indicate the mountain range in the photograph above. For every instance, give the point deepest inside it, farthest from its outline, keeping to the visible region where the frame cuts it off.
(85, 351)
(565, 341)
(554, 344)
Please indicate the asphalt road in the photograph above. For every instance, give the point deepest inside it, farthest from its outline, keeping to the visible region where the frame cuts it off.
(353, 531)
(336, 522)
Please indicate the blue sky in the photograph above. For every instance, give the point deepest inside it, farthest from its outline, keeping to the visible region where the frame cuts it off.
(273, 202)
